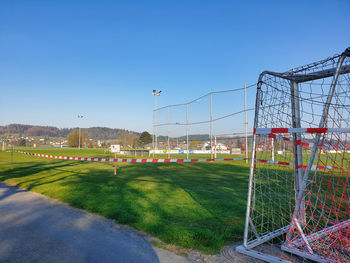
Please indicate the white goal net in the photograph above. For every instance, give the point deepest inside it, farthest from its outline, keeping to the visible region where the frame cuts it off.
(299, 187)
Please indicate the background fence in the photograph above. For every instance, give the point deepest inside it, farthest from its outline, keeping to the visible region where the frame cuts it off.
(210, 124)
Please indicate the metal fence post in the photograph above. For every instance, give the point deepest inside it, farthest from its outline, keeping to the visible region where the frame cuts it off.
(12, 157)
(211, 125)
(153, 135)
(245, 123)
(187, 128)
(168, 132)
(215, 145)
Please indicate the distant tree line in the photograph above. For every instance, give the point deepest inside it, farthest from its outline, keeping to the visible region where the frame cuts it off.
(31, 130)
(96, 133)
(126, 139)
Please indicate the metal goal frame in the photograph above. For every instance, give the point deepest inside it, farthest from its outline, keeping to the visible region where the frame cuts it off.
(301, 172)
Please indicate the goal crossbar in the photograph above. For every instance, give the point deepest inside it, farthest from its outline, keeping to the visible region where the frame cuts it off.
(309, 77)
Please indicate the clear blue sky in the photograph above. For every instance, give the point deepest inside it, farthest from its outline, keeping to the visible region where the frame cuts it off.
(102, 59)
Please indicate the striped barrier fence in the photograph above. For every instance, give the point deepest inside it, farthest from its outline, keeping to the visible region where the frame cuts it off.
(119, 160)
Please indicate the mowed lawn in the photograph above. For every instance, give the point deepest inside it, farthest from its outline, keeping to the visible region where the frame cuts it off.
(192, 205)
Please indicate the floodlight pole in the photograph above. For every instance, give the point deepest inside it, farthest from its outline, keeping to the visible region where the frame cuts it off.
(155, 94)
(155, 127)
(79, 117)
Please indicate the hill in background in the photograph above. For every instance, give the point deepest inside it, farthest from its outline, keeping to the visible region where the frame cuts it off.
(96, 133)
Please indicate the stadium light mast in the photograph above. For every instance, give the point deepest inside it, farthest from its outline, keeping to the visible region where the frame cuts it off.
(155, 94)
(79, 117)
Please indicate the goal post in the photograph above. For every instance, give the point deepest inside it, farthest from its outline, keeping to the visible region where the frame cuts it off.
(298, 200)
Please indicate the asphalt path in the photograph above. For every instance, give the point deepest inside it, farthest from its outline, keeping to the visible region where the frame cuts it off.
(34, 228)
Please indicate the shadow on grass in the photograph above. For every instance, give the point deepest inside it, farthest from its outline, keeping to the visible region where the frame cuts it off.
(197, 206)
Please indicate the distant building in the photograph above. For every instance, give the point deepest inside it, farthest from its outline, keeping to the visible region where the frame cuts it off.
(219, 146)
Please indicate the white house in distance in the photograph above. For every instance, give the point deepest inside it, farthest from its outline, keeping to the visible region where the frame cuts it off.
(219, 146)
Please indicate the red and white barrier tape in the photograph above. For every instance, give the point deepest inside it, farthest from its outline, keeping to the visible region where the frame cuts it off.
(130, 160)
(314, 167)
(299, 130)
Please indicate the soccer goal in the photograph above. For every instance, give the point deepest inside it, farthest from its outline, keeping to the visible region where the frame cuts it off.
(299, 184)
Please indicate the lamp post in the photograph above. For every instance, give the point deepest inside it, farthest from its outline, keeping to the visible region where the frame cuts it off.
(155, 94)
(79, 117)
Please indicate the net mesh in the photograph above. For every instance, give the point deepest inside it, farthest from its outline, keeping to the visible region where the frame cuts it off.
(212, 123)
(308, 209)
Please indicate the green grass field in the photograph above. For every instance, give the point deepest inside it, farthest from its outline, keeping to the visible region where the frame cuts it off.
(192, 205)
